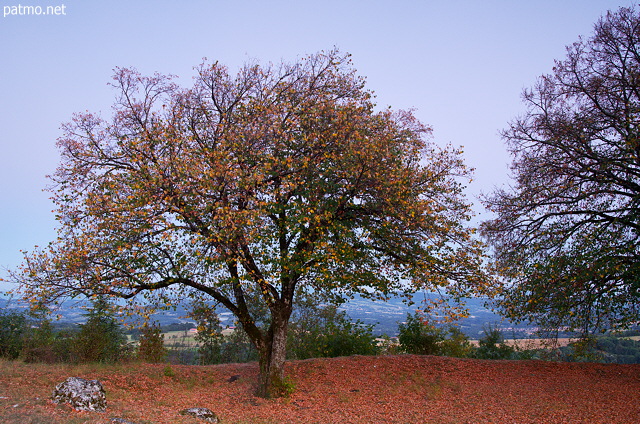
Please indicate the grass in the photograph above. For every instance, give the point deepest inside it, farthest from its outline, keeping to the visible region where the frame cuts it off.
(180, 337)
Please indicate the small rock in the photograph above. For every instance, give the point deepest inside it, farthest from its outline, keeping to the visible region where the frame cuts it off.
(203, 413)
(81, 394)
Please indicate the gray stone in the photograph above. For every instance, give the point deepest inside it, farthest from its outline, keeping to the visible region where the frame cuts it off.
(81, 394)
(203, 413)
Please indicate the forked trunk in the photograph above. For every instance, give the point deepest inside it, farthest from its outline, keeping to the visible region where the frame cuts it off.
(272, 358)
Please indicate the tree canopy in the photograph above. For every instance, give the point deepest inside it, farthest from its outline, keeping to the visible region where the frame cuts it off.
(251, 190)
(566, 234)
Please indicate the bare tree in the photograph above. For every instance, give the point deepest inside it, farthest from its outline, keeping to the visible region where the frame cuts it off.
(566, 234)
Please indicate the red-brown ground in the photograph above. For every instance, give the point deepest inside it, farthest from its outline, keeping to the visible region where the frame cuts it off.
(382, 389)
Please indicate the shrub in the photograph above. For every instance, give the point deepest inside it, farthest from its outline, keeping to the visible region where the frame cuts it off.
(583, 350)
(237, 348)
(456, 344)
(101, 338)
(344, 338)
(168, 371)
(39, 344)
(13, 325)
(63, 345)
(420, 337)
(317, 332)
(286, 387)
(151, 344)
(209, 334)
(492, 346)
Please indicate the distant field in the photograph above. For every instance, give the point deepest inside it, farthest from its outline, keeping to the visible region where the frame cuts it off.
(539, 343)
(187, 340)
(547, 343)
(526, 344)
(184, 338)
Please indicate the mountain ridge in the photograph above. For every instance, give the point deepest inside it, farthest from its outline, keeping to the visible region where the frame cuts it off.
(384, 316)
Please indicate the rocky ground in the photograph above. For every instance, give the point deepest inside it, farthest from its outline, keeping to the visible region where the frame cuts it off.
(383, 389)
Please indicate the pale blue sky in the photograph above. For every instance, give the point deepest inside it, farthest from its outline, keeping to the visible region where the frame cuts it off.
(460, 64)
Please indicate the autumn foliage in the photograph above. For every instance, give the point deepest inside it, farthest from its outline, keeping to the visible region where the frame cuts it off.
(250, 190)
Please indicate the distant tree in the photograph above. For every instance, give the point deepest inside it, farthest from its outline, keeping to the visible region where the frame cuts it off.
(456, 344)
(583, 350)
(566, 236)
(39, 343)
(492, 345)
(13, 325)
(209, 334)
(607, 348)
(281, 180)
(321, 331)
(101, 338)
(418, 336)
(237, 348)
(151, 344)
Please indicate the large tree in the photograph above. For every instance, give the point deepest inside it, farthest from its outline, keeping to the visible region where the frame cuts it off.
(566, 235)
(280, 181)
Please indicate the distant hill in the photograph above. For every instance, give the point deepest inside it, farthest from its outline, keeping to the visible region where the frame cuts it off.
(385, 316)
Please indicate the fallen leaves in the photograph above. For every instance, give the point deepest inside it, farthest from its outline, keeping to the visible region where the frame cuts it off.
(359, 389)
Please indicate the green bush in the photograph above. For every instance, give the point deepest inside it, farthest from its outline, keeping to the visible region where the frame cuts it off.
(419, 337)
(34, 339)
(345, 338)
(101, 338)
(456, 344)
(209, 334)
(323, 331)
(13, 326)
(151, 344)
(39, 344)
(492, 346)
(63, 345)
(237, 348)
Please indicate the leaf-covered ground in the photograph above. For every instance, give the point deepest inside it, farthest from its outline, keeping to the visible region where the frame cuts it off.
(389, 389)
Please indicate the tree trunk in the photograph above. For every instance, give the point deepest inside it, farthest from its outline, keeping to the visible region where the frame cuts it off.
(272, 358)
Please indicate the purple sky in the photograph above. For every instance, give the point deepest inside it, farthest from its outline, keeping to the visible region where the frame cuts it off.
(460, 64)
